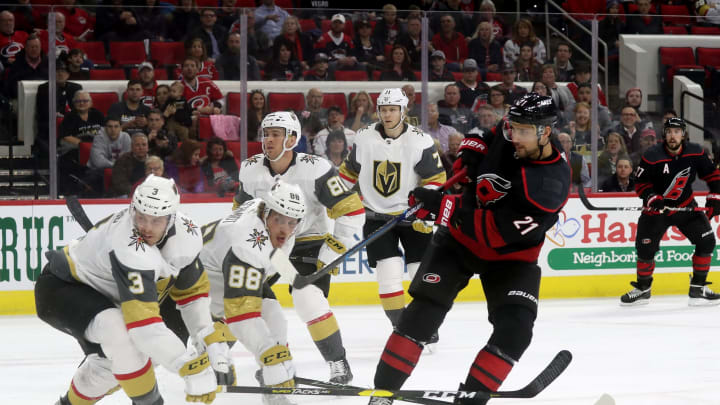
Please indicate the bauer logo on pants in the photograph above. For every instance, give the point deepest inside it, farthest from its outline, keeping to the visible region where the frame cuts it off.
(387, 177)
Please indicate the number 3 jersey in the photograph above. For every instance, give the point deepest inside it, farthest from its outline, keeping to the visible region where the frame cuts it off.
(387, 169)
(671, 177)
(113, 259)
(326, 196)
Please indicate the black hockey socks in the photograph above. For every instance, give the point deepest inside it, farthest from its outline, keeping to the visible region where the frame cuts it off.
(489, 370)
(397, 361)
(701, 266)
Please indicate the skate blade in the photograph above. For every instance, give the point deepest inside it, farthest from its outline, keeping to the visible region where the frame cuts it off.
(701, 302)
(635, 304)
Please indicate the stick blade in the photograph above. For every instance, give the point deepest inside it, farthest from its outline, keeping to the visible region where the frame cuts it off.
(553, 370)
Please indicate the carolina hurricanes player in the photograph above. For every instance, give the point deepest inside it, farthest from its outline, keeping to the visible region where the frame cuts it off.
(236, 254)
(320, 241)
(388, 160)
(496, 229)
(102, 289)
(664, 179)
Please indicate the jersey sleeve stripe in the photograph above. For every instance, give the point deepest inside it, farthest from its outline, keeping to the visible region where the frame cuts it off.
(351, 203)
(201, 286)
(239, 318)
(191, 299)
(392, 294)
(144, 322)
(437, 179)
(239, 306)
(358, 212)
(135, 374)
(140, 313)
(347, 175)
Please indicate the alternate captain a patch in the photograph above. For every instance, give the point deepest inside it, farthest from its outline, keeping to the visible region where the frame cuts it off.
(386, 175)
(137, 240)
(190, 227)
(258, 238)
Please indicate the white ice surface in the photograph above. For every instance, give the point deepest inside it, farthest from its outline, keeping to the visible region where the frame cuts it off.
(660, 354)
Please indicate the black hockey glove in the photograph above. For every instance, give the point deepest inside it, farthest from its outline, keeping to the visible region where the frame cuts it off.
(431, 200)
(471, 152)
(712, 203)
(655, 203)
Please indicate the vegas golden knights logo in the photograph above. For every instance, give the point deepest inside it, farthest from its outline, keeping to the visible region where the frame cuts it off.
(387, 177)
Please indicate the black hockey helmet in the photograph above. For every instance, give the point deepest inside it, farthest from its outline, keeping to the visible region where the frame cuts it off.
(674, 122)
(534, 109)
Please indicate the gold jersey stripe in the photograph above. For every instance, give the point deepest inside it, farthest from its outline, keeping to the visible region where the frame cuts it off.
(392, 303)
(311, 238)
(347, 205)
(136, 311)
(323, 329)
(347, 172)
(241, 306)
(201, 286)
(439, 178)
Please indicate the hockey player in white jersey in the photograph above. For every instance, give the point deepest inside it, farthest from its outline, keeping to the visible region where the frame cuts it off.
(390, 158)
(102, 290)
(237, 255)
(319, 241)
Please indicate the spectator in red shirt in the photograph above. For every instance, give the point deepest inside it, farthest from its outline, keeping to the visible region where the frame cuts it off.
(146, 75)
(203, 96)
(64, 42)
(26, 17)
(451, 42)
(77, 21)
(302, 43)
(337, 45)
(11, 41)
(196, 48)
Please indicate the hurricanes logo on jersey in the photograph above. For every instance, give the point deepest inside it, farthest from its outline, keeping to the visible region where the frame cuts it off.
(309, 159)
(11, 49)
(387, 177)
(189, 226)
(258, 239)
(137, 240)
(677, 185)
(491, 188)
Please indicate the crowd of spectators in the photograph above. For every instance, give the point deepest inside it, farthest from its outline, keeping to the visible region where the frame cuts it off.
(155, 127)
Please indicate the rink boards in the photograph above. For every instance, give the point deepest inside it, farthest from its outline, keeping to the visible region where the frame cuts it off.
(586, 253)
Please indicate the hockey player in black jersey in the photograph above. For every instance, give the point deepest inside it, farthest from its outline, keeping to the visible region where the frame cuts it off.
(494, 229)
(664, 179)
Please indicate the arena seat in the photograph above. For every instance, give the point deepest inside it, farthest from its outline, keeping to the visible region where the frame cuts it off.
(673, 59)
(675, 14)
(235, 147)
(95, 51)
(84, 152)
(493, 77)
(103, 100)
(351, 75)
(107, 74)
(167, 53)
(708, 56)
(160, 74)
(286, 101)
(675, 30)
(698, 30)
(204, 128)
(338, 99)
(127, 53)
(233, 103)
(307, 24)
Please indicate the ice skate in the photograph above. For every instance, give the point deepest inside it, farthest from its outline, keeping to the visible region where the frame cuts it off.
(636, 296)
(340, 371)
(702, 295)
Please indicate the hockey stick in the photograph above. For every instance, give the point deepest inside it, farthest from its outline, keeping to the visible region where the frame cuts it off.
(78, 212)
(427, 397)
(301, 281)
(586, 202)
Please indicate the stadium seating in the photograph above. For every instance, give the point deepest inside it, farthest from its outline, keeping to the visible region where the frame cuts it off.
(253, 148)
(95, 51)
(107, 74)
(698, 30)
(325, 27)
(233, 104)
(337, 99)
(675, 14)
(127, 53)
(351, 75)
(103, 100)
(205, 130)
(167, 53)
(493, 77)
(673, 59)
(307, 24)
(160, 74)
(675, 30)
(84, 152)
(286, 101)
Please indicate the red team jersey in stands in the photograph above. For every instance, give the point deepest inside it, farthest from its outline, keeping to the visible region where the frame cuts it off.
(66, 43)
(202, 93)
(12, 44)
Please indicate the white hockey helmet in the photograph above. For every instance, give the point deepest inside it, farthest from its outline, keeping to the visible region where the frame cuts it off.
(156, 196)
(282, 119)
(393, 96)
(286, 199)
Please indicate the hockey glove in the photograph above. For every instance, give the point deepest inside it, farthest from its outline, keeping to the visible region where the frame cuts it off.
(329, 251)
(429, 198)
(471, 152)
(277, 367)
(200, 382)
(656, 203)
(219, 352)
(712, 203)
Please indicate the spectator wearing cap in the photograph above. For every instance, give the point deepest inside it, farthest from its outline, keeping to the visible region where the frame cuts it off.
(643, 21)
(437, 129)
(438, 71)
(398, 67)
(269, 18)
(335, 122)
(336, 147)
(527, 66)
(30, 64)
(77, 66)
(284, 64)
(451, 42)
(11, 41)
(320, 69)
(211, 33)
(64, 93)
(368, 51)
(303, 44)
(452, 112)
(564, 71)
(582, 75)
(131, 112)
(508, 83)
(228, 64)
(388, 29)
(470, 88)
(146, 75)
(338, 46)
(412, 41)
(486, 51)
(523, 33)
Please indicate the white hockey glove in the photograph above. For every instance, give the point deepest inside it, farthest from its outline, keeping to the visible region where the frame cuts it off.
(214, 340)
(200, 382)
(277, 367)
(329, 251)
